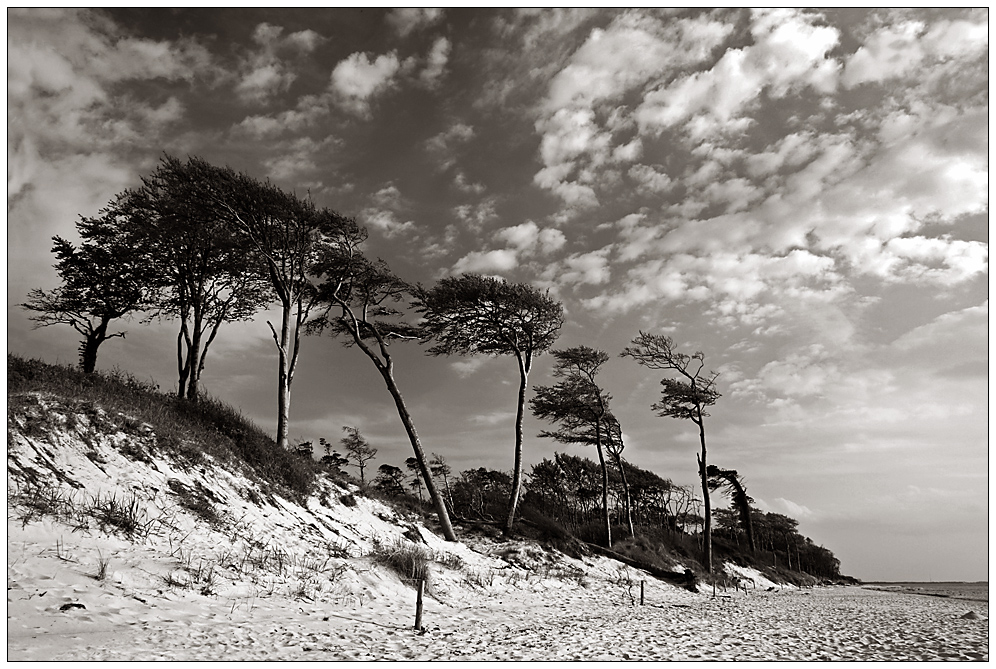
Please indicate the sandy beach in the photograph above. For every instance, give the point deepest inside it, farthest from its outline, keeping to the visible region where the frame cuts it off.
(280, 580)
(841, 623)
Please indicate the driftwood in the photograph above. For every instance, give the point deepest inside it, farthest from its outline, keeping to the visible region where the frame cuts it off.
(685, 580)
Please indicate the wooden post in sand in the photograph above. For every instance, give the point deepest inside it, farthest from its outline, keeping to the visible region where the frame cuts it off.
(418, 605)
(641, 592)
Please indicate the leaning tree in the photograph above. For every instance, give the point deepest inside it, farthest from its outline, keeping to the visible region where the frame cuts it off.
(580, 407)
(734, 485)
(473, 314)
(361, 299)
(685, 397)
(614, 445)
(106, 277)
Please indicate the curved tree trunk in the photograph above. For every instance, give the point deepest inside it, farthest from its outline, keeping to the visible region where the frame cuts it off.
(605, 486)
(406, 420)
(513, 500)
(629, 505)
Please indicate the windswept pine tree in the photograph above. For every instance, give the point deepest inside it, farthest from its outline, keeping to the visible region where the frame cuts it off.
(685, 397)
(108, 276)
(580, 407)
(473, 314)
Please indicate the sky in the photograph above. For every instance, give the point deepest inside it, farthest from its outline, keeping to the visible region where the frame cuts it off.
(801, 195)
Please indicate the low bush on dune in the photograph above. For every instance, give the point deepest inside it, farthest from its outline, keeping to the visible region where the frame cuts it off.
(183, 428)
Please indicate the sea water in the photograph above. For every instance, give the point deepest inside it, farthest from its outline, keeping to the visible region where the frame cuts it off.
(976, 591)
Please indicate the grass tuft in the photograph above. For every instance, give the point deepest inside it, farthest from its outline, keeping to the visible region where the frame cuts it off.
(406, 559)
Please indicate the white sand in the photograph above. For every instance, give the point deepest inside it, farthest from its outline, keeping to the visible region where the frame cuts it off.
(198, 591)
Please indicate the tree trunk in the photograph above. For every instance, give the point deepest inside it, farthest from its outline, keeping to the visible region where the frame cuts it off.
(283, 376)
(513, 500)
(406, 420)
(88, 352)
(193, 358)
(605, 486)
(628, 506)
(707, 508)
(182, 369)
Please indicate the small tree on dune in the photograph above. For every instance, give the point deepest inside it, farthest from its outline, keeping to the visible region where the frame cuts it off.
(473, 314)
(332, 459)
(439, 467)
(390, 479)
(416, 483)
(358, 450)
(685, 397)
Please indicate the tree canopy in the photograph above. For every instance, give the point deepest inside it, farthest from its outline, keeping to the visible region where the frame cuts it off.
(473, 314)
(107, 277)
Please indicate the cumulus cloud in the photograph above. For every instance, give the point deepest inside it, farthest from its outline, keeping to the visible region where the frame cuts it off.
(382, 214)
(357, 79)
(899, 50)
(436, 61)
(636, 48)
(69, 114)
(529, 238)
(524, 241)
(443, 146)
(487, 262)
(266, 72)
(475, 217)
(790, 52)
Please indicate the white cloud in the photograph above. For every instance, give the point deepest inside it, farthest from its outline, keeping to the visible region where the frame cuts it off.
(436, 62)
(789, 52)
(443, 146)
(900, 50)
(476, 216)
(581, 268)
(265, 72)
(484, 262)
(634, 49)
(406, 20)
(468, 367)
(529, 238)
(386, 221)
(357, 79)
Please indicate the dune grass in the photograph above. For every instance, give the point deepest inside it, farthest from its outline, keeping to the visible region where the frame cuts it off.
(182, 427)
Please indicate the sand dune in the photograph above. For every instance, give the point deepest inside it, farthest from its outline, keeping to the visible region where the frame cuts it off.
(275, 580)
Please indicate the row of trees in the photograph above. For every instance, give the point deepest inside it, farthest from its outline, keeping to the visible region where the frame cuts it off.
(202, 246)
(567, 489)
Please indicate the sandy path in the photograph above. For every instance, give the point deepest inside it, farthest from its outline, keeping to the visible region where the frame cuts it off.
(831, 624)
